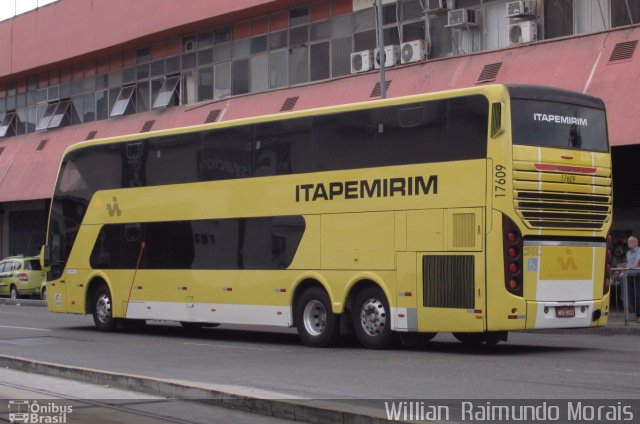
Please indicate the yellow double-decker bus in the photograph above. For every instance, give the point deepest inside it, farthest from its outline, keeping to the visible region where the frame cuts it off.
(473, 211)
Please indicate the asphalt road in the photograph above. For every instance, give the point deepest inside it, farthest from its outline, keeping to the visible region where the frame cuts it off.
(533, 366)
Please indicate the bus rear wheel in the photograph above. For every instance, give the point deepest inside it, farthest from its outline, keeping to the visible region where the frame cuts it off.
(103, 310)
(317, 325)
(372, 319)
(13, 294)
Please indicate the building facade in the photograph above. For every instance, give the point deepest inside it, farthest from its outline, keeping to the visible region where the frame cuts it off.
(76, 70)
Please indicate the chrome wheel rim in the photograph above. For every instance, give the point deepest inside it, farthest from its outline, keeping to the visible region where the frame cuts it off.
(314, 318)
(14, 293)
(103, 308)
(373, 317)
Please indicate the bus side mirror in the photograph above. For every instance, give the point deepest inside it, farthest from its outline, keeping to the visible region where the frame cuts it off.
(45, 258)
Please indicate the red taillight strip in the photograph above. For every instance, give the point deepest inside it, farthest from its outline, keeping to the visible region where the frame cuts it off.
(565, 168)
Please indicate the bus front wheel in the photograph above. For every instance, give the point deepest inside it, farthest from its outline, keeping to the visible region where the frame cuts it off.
(103, 310)
(372, 319)
(317, 325)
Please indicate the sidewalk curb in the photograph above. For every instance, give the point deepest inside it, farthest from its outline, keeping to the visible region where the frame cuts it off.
(306, 410)
(24, 302)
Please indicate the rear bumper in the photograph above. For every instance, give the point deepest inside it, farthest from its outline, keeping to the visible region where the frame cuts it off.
(545, 315)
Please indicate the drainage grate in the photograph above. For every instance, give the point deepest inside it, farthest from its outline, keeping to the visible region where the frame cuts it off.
(623, 51)
(377, 90)
(289, 104)
(489, 72)
(147, 126)
(91, 135)
(212, 116)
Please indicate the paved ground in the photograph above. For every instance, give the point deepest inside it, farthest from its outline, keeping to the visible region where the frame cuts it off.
(271, 363)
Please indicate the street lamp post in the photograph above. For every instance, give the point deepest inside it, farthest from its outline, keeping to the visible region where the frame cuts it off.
(381, 52)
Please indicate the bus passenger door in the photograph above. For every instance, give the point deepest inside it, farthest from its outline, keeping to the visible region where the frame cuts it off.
(451, 282)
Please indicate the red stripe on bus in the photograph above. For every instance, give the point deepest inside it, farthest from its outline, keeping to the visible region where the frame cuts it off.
(565, 168)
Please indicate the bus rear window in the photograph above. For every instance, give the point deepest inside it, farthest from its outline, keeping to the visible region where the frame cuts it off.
(560, 125)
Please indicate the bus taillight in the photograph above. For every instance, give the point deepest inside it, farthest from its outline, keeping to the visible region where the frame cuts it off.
(512, 243)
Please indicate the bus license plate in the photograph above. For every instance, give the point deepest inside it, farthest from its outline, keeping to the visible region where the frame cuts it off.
(565, 311)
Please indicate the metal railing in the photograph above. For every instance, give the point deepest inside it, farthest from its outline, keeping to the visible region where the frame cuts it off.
(623, 293)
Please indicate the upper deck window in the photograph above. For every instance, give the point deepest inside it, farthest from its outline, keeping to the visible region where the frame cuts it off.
(560, 125)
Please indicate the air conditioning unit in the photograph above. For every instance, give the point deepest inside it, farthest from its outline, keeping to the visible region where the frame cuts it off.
(517, 9)
(462, 17)
(435, 6)
(361, 61)
(412, 51)
(523, 32)
(391, 56)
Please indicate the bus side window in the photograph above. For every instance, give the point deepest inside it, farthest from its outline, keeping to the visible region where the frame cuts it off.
(283, 147)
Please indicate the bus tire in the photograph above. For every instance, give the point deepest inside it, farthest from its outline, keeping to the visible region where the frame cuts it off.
(13, 293)
(372, 319)
(317, 325)
(43, 294)
(103, 310)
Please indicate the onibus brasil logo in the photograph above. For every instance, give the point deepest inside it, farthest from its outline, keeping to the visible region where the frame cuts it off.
(32, 412)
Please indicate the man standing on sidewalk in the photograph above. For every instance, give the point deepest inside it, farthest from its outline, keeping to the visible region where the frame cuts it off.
(633, 273)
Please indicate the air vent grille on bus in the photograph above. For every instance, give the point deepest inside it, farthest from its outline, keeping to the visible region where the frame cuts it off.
(448, 281)
(558, 199)
(464, 225)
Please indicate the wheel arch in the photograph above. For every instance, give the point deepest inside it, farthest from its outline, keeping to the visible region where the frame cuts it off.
(94, 281)
(360, 282)
(305, 282)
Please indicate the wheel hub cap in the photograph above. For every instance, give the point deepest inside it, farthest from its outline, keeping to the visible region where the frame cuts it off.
(314, 318)
(373, 317)
(103, 308)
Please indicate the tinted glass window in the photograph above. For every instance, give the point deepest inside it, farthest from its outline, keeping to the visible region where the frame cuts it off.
(550, 124)
(33, 265)
(436, 131)
(172, 159)
(248, 243)
(283, 148)
(226, 154)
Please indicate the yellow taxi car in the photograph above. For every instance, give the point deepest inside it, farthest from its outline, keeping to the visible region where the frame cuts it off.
(20, 276)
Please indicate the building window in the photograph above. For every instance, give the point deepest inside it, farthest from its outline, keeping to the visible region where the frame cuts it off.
(278, 68)
(8, 124)
(620, 15)
(558, 18)
(259, 67)
(240, 75)
(340, 56)
(167, 94)
(125, 102)
(298, 16)
(58, 114)
(205, 84)
(222, 80)
(320, 58)
(298, 65)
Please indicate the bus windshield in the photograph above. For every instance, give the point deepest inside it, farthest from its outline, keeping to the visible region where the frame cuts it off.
(560, 125)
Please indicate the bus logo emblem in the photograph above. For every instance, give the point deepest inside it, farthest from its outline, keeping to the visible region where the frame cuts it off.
(114, 208)
(568, 262)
